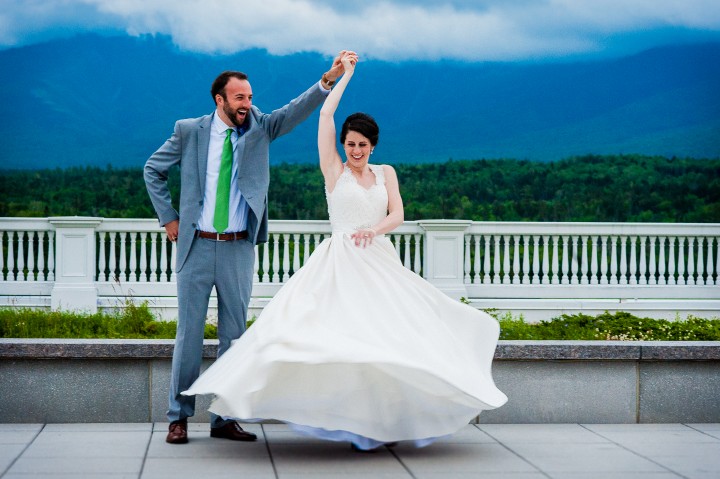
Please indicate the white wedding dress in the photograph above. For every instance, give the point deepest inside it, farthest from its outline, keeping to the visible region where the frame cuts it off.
(356, 347)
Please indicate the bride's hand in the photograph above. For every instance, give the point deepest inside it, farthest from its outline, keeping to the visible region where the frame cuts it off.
(349, 60)
(363, 237)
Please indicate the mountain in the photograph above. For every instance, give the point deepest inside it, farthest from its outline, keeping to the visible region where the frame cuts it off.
(99, 100)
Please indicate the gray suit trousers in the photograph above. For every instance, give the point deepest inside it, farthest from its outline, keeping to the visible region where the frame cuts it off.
(229, 267)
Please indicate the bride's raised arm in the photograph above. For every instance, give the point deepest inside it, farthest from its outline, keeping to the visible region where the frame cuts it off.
(330, 159)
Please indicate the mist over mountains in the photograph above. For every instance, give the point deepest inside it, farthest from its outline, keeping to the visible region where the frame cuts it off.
(97, 100)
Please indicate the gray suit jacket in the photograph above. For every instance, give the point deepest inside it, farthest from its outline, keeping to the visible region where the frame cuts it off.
(188, 148)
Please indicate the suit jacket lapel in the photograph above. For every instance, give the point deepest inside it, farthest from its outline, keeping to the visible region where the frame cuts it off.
(203, 142)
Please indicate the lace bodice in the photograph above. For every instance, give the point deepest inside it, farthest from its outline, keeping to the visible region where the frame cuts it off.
(351, 206)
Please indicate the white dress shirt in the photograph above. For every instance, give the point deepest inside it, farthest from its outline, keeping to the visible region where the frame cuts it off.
(238, 206)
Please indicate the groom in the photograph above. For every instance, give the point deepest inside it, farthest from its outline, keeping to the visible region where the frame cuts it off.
(224, 175)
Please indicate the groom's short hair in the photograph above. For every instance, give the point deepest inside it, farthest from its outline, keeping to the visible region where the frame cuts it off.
(218, 86)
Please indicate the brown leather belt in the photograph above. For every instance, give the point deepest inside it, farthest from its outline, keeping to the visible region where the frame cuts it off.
(221, 236)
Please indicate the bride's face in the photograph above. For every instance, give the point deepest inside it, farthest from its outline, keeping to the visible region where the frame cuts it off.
(357, 149)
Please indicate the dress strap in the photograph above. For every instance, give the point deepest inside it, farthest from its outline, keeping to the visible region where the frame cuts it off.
(379, 174)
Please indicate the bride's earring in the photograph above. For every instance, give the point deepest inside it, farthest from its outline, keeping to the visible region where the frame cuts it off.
(371, 151)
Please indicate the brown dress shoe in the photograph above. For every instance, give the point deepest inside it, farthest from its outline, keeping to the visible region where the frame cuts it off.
(233, 431)
(177, 433)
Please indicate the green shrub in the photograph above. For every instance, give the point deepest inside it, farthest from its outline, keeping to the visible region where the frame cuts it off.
(620, 326)
(129, 322)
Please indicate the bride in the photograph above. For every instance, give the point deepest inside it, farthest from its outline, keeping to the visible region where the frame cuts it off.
(355, 347)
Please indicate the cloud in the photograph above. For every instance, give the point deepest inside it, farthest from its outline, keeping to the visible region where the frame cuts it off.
(382, 29)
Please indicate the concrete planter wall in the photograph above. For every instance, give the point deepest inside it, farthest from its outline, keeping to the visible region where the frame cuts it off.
(61, 381)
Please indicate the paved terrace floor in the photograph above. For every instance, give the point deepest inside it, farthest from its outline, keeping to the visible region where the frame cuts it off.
(508, 451)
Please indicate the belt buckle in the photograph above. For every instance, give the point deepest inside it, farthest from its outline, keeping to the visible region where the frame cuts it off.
(217, 237)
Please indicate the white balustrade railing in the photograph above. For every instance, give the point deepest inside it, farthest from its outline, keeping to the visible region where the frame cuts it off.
(70, 258)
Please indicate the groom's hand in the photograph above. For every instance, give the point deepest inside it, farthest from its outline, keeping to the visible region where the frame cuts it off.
(172, 230)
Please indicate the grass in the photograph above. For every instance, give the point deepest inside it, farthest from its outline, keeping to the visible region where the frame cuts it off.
(137, 322)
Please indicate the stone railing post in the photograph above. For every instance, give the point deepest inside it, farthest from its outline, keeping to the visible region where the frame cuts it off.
(74, 287)
(444, 242)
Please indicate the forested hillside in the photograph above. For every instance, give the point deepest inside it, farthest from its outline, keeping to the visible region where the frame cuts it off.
(589, 188)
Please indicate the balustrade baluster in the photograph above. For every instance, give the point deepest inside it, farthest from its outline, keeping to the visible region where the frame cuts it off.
(306, 243)
(256, 264)
(536, 260)
(31, 257)
(691, 261)
(661, 278)
(266, 262)
(101, 257)
(545, 260)
(565, 261)
(476, 260)
(709, 266)
(42, 272)
(417, 266)
(3, 276)
(651, 262)
(700, 277)
(609, 247)
(516, 260)
(155, 270)
(122, 266)
(526, 260)
(623, 260)
(11, 257)
(584, 261)
(22, 274)
(165, 268)
(286, 258)
(132, 268)
(717, 261)
(276, 258)
(296, 253)
(633, 259)
(143, 273)
(672, 269)
(681, 277)
(642, 272)
(466, 264)
(594, 240)
(603, 259)
(487, 279)
(506, 259)
(51, 256)
(555, 261)
(496, 260)
(574, 264)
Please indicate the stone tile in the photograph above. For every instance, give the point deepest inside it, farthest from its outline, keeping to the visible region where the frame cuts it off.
(614, 475)
(99, 427)
(481, 475)
(85, 444)
(8, 454)
(572, 458)
(461, 458)
(103, 475)
(46, 391)
(650, 433)
(509, 434)
(17, 437)
(20, 427)
(348, 475)
(72, 466)
(331, 458)
(679, 392)
(712, 429)
(192, 467)
(548, 392)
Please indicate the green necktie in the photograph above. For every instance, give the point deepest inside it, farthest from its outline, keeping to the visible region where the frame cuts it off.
(222, 197)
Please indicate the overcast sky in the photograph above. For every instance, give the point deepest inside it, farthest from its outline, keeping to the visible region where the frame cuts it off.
(395, 30)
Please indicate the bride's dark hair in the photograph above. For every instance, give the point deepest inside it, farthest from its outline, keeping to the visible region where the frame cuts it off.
(363, 124)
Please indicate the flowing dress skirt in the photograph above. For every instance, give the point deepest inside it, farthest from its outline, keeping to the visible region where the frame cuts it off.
(356, 347)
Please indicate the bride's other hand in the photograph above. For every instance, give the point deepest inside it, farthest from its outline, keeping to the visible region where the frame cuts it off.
(363, 237)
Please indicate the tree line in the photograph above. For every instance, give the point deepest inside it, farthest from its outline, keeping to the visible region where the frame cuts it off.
(609, 188)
